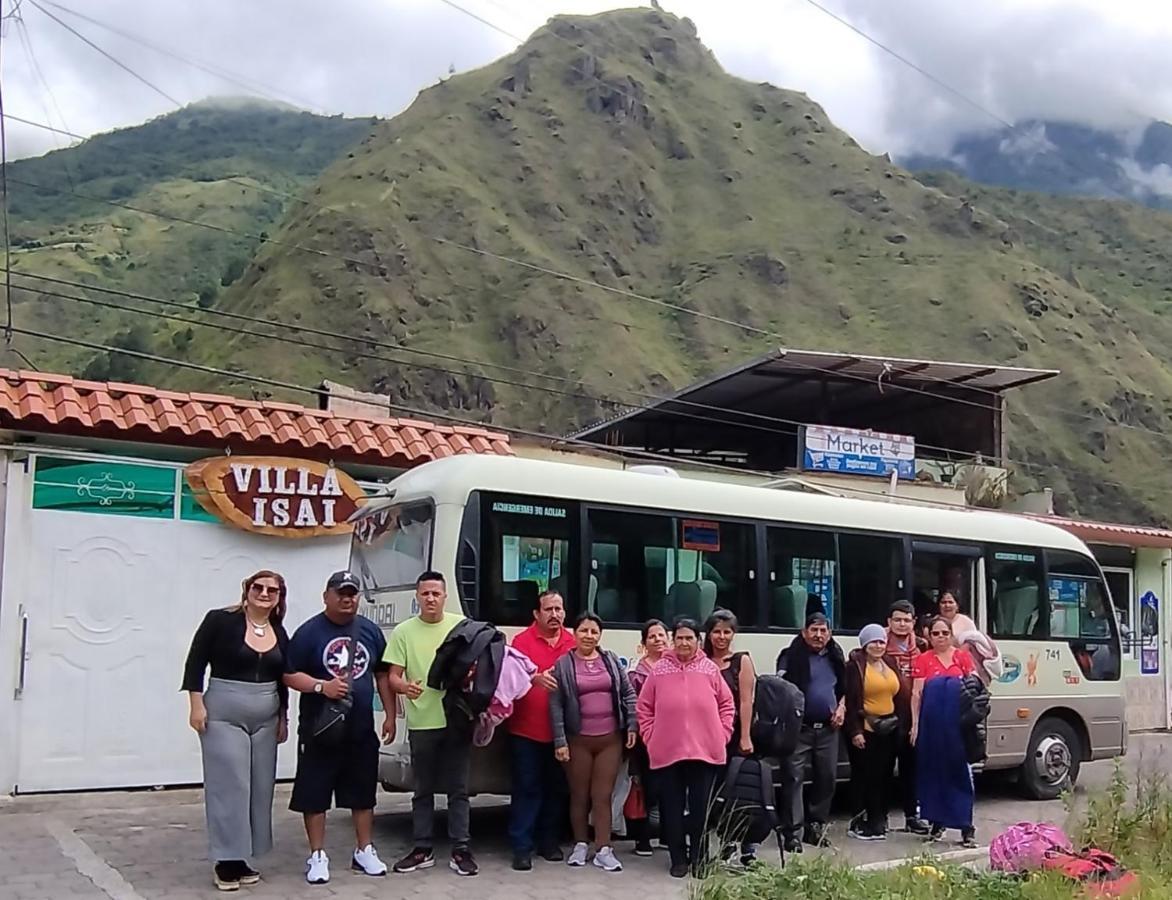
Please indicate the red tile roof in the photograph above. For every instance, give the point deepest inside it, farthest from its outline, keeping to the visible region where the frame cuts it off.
(59, 404)
(1112, 533)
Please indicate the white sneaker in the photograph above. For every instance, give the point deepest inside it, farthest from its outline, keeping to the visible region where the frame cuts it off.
(578, 855)
(366, 860)
(605, 859)
(317, 868)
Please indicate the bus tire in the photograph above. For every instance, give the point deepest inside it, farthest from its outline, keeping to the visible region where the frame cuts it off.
(1052, 761)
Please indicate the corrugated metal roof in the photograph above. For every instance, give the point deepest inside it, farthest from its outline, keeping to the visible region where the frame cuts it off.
(727, 389)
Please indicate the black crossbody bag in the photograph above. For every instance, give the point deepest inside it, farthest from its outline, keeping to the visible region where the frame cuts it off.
(331, 724)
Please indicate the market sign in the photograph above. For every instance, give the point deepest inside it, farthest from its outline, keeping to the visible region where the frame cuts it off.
(847, 451)
(290, 498)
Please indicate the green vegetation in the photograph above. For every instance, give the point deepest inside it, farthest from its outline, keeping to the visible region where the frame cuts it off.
(1133, 822)
(178, 165)
(615, 149)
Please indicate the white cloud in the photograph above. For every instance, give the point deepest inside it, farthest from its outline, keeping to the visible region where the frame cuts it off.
(1104, 62)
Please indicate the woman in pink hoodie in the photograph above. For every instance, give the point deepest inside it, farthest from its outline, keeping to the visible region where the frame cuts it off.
(685, 714)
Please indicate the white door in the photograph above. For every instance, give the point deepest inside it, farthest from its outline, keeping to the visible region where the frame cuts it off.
(112, 603)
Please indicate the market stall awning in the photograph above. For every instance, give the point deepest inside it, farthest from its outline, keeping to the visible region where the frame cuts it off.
(1112, 533)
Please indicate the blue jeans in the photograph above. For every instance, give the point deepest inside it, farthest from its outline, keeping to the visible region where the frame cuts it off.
(539, 796)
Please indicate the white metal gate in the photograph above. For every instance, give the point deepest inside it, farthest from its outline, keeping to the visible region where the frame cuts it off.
(111, 603)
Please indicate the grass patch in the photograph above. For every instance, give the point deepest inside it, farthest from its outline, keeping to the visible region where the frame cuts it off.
(1131, 819)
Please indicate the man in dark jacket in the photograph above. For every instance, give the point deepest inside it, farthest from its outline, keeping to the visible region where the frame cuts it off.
(815, 663)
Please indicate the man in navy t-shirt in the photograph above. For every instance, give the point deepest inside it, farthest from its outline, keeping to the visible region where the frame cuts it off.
(338, 654)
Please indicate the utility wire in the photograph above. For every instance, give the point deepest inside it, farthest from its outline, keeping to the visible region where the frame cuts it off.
(319, 393)
(121, 65)
(4, 199)
(249, 84)
(500, 257)
(11, 118)
(575, 279)
(949, 452)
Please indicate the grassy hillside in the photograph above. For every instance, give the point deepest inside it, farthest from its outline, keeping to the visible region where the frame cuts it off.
(178, 165)
(616, 149)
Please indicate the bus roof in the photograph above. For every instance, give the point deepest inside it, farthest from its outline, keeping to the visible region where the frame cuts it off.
(451, 480)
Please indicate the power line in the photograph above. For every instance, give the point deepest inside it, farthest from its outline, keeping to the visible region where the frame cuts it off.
(939, 82)
(951, 452)
(81, 37)
(4, 203)
(499, 257)
(568, 277)
(249, 84)
(319, 393)
(26, 42)
(41, 125)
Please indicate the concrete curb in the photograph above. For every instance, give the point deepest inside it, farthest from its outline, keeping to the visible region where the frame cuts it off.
(952, 856)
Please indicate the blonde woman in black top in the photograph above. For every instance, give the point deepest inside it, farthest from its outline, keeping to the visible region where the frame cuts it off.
(240, 720)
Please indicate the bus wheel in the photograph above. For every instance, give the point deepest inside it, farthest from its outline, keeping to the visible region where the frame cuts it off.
(1052, 761)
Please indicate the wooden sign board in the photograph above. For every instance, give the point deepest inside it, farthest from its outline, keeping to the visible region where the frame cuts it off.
(290, 498)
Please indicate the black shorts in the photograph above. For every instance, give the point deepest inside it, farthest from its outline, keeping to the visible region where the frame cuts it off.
(346, 775)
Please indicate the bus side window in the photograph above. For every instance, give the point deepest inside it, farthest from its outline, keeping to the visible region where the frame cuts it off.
(802, 575)
(527, 547)
(1017, 605)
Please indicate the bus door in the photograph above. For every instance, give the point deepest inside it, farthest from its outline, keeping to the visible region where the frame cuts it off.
(939, 568)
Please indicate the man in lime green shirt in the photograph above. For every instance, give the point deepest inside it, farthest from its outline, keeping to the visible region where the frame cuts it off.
(438, 760)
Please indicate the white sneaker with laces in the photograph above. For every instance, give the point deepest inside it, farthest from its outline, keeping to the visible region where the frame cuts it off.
(605, 859)
(317, 868)
(366, 860)
(578, 855)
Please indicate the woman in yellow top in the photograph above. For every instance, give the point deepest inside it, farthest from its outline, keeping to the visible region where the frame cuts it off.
(878, 712)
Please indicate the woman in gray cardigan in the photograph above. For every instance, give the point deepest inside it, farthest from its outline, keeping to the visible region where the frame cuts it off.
(593, 715)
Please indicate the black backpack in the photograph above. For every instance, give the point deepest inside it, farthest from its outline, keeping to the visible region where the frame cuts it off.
(743, 809)
(778, 708)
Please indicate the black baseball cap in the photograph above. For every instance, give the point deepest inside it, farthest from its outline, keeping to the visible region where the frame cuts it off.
(343, 579)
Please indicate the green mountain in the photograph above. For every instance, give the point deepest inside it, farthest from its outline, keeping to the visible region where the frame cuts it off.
(615, 149)
(233, 164)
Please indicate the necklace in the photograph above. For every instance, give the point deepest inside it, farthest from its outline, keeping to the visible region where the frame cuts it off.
(258, 628)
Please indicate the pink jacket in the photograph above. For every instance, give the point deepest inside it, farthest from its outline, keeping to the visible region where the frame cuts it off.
(685, 712)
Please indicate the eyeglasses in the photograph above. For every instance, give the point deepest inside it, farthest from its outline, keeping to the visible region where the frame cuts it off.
(940, 633)
(265, 589)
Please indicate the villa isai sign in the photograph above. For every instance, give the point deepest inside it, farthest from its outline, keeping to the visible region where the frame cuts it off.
(291, 498)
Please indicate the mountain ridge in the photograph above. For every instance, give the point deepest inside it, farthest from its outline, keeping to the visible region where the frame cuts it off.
(615, 150)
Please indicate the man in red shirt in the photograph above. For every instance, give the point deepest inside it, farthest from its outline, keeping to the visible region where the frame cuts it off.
(903, 648)
(537, 779)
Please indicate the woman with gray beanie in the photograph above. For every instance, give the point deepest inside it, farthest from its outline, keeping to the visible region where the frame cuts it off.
(878, 711)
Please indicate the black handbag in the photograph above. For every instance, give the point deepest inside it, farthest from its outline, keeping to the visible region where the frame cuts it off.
(884, 726)
(331, 724)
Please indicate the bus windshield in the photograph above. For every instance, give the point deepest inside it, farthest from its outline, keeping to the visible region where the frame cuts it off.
(392, 547)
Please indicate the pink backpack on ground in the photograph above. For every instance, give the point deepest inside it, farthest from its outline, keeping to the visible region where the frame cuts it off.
(1025, 846)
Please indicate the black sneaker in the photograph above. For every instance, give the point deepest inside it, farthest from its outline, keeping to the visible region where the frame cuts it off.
(226, 875)
(463, 862)
(522, 862)
(643, 848)
(793, 844)
(679, 870)
(552, 854)
(860, 832)
(748, 860)
(968, 838)
(815, 836)
(419, 858)
(248, 875)
(936, 833)
(915, 825)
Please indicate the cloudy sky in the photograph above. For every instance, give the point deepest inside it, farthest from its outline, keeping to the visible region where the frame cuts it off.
(1105, 62)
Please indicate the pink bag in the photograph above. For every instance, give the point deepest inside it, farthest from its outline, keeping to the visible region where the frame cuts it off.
(1024, 847)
